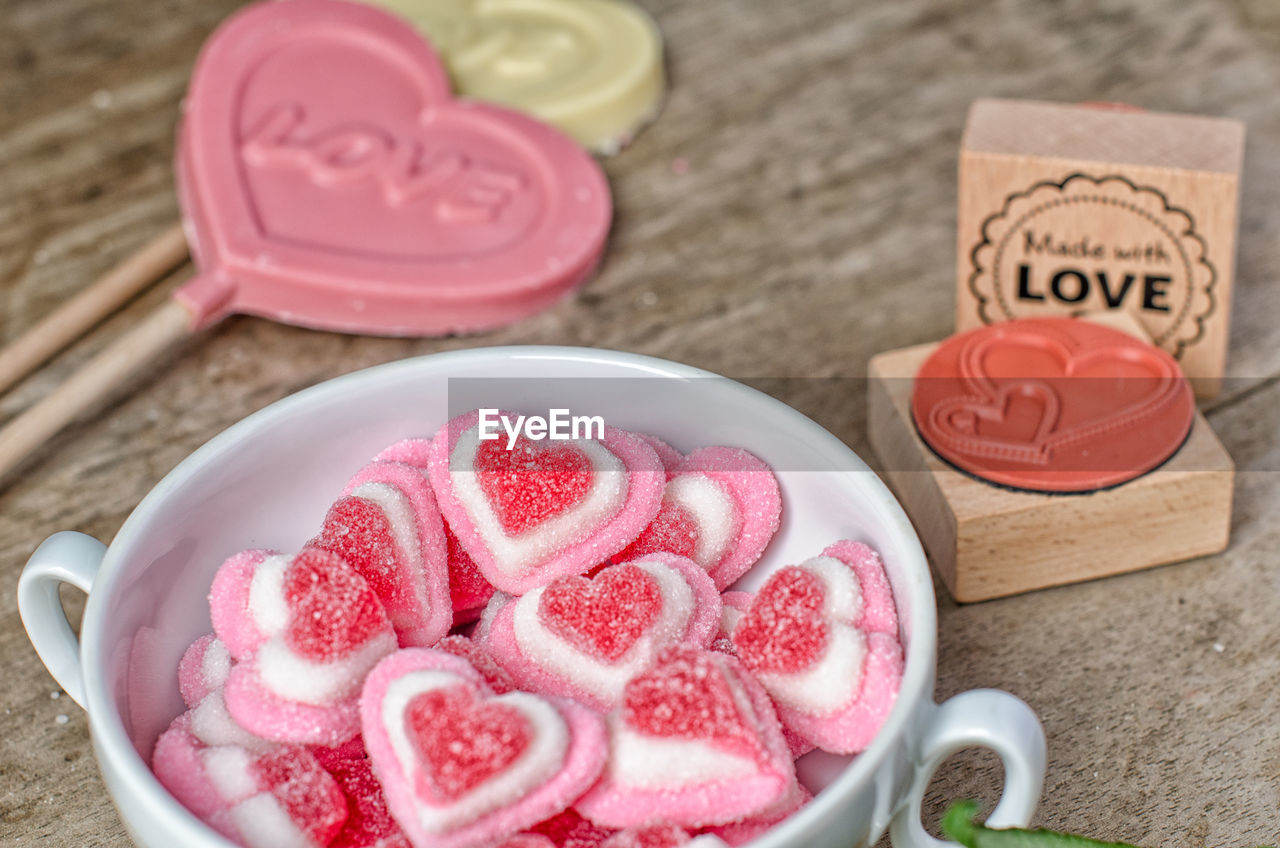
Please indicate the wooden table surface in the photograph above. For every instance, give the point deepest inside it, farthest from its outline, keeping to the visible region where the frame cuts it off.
(813, 228)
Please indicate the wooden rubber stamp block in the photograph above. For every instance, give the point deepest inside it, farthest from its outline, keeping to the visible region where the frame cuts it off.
(1067, 209)
(987, 541)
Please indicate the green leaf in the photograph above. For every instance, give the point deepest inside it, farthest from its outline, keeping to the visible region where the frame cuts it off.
(958, 825)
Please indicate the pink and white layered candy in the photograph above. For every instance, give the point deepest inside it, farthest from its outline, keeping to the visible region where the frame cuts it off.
(584, 638)
(542, 509)
(281, 798)
(695, 743)
(745, 830)
(468, 589)
(309, 628)
(721, 507)
(388, 528)
(822, 638)
(202, 676)
(661, 835)
(203, 669)
(462, 767)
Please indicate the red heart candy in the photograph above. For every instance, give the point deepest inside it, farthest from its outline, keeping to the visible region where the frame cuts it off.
(604, 616)
(674, 530)
(784, 630)
(686, 695)
(304, 790)
(358, 530)
(463, 741)
(468, 590)
(531, 482)
(334, 611)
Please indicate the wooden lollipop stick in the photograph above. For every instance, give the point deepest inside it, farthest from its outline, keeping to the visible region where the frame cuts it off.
(93, 382)
(105, 295)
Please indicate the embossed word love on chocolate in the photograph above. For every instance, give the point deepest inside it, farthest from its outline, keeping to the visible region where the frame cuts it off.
(329, 179)
(1052, 404)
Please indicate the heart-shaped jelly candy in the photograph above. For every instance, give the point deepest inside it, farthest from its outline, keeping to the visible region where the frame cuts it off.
(463, 767)
(530, 511)
(586, 637)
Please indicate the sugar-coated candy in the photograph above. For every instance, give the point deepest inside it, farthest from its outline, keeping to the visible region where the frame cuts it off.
(461, 766)
(584, 638)
(204, 668)
(481, 660)
(229, 603)
(721, 507)
(320, 629)
(570, 830)
(468, 589)
(745, 830)
(667, 455)
(527, 840)
(387, 527)
(542, 509)
(280, 798)
(369, 823)
(695, 742)
(660, 835)
(821, 637)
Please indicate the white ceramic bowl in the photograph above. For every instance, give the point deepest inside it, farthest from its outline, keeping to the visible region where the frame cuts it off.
(267, 481)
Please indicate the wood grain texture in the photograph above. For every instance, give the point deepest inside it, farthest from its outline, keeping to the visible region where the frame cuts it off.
(813, 228)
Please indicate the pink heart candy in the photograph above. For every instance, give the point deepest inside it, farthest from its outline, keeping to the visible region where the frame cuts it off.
(257, 799)
(584, 638)
(822, 638)
(462, 767)
(329, 179)
(695, 742)
(315, 627)
(388, 528)
(545, 509)
(721, 508)
(468, 589)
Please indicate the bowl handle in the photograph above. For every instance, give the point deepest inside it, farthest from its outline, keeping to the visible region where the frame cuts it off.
(65, 557)
(984, 718)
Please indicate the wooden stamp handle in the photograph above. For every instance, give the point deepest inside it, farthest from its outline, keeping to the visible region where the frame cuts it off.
(93, 382)
(107, 294)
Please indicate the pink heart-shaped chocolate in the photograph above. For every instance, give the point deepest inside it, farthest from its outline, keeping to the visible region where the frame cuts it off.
(313, 627)
(822, 639)
(695, 742)
(463, 767)
(529, 512)
(388, 528)
(720, 509)
(329, 179)
(584, 638)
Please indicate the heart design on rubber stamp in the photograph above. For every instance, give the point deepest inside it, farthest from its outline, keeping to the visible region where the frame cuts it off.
(1052, 404)
(328, 174)
(585, 637)
(533, 511)
(461, 766)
